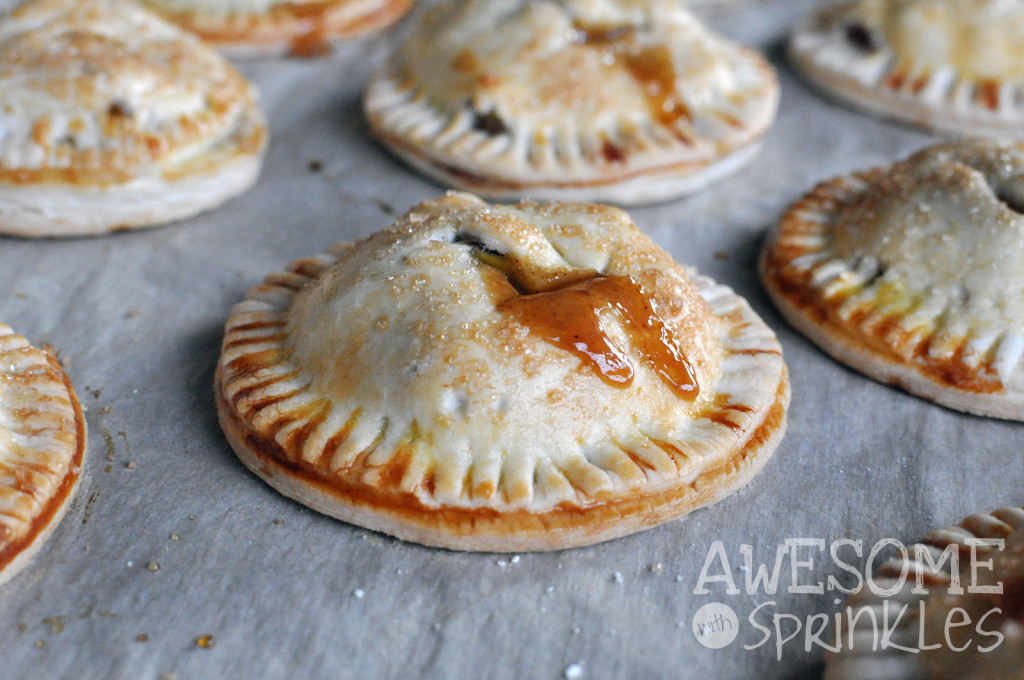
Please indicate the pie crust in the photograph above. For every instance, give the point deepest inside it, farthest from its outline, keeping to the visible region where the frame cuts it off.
(414, 384)
(911, 274)
(113, 118)
(630, 102)
(42, 443)
(965, 654)
(948, 65)
(298, 27)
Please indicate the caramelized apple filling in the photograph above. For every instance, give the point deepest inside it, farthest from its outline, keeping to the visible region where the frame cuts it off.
(572, 309)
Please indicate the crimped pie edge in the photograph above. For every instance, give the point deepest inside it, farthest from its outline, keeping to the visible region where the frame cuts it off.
(18, 555)
(287, 28)
(55, 195)
(939, 101)
(495, 525)
(892, 663)
(528, 161)
(800, 232)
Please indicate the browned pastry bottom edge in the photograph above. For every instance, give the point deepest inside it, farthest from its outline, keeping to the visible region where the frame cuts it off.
(300, 30)
(853, 351)
(14, 556)
(402, 515)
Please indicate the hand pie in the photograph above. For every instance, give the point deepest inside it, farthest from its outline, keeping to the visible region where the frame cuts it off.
(302, 27)
(951, 65)
(957, 628)
(114, 119)
(496, 378)
(629, 101)
(913, 274)
(42, 442)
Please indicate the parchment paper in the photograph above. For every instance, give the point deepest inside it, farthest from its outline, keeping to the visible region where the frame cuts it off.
(285, 592)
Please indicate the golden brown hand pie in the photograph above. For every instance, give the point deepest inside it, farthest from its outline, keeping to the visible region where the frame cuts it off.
(629, 101)
(302, 27)
(952, 65)
(112, 118)
(913, 274)
(42, 443)
(497, 378)
(966, 621)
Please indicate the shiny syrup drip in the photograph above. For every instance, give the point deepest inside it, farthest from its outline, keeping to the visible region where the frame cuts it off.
(654, 70)
(570, 318)
(652, 67)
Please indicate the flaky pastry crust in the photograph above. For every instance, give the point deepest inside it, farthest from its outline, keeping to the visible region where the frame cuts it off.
(412, 383)
(947, 65)
(297, 27)
(631, 101)
(911, 274)
(113, 119)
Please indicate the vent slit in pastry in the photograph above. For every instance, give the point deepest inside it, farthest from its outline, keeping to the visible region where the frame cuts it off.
(862, 37)
(573, 317)
(489, 123)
